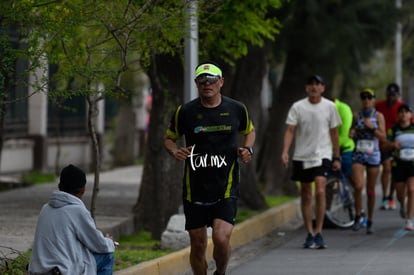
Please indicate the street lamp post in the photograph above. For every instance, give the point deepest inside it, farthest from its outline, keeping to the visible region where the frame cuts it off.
(190, 51)
(398, 48)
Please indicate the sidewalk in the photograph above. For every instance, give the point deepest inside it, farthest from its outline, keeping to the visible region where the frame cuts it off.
(119, 188)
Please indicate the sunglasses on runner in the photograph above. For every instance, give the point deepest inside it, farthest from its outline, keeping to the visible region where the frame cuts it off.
(363, 97)
(210, 78)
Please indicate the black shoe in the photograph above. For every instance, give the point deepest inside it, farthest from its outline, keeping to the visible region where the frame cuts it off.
(309, 241)
(319, 242)
(402, 212)
(357, 225)
(369, 228)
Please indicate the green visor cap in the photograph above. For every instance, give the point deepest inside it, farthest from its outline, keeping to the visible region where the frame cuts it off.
(208, 69)
(368, 91)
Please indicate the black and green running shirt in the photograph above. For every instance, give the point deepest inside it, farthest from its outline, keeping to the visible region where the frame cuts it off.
(212, 169)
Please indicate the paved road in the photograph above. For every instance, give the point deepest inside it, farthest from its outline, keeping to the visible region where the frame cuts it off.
(390, 250)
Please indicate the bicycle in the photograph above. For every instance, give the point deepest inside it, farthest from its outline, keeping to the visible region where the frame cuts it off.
(340, 208)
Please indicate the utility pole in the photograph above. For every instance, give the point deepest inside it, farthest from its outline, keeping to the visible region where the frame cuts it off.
(398, 48)
(190, 50)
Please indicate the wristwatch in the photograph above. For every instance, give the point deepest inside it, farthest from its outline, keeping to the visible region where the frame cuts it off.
(336, 158)
(250, 149)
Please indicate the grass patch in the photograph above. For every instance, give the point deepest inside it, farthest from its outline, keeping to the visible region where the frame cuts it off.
(38, 178)
(272, 201)
(137, 248)
(140, 162)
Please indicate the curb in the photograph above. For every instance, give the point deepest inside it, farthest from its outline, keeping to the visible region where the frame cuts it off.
(243, 233)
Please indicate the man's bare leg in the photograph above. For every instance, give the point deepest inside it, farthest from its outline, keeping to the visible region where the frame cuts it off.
(221, 240)
(306, 205)
(198, 240)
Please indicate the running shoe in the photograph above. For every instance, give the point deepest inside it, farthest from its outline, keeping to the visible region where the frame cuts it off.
(309, 241)
(391, 204)
(384, 204)
(319, 242)
(409, 225)
(369, 228)
(357, 224)
(363, 220)
(402, 212)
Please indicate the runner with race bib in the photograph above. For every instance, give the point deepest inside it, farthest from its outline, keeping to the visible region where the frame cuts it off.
(401, 141)
(368, 129)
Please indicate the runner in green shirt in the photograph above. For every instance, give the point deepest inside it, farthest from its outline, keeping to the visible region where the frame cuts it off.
(346, 143)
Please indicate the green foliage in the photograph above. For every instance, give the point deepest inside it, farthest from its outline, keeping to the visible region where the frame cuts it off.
(228, 28)
(15, 17)
(339, 35)
(96, 41)
(15, 266)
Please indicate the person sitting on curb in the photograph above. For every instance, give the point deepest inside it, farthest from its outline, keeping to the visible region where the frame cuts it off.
(66, 239)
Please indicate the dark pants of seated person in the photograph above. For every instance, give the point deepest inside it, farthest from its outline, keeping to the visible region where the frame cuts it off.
(104, 263)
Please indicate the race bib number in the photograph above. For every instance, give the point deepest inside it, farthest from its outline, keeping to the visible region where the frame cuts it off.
(407, 154)
(312, 163)
(365, 146)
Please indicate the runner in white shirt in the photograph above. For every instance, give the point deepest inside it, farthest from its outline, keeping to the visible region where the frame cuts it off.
(312, 122)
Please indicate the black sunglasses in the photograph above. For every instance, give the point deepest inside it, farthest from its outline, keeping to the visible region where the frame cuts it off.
(210, 78)
(363, 97)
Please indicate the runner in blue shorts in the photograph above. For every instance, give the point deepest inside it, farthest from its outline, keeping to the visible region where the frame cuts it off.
(368, 128)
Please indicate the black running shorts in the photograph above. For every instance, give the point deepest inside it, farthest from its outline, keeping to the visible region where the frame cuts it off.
(402, 170)
(309, 174)
(197, 215)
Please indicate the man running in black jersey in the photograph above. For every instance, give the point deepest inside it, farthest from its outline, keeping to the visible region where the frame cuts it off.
(210, 124)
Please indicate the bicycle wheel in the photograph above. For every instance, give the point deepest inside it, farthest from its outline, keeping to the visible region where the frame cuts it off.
(340, 209)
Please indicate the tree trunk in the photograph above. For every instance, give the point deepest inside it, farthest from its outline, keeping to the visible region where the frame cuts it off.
(4, 104)
(96, 152)
(125, 135)
(160, 191)
(3, 112)
(246, 86)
